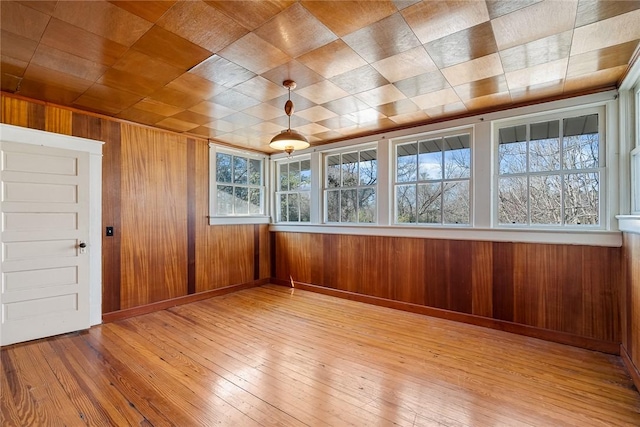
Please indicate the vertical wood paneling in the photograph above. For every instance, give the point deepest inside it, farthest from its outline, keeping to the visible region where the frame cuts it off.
(58, 120)
(434, 273)
(631, 298)
(503, 293)
(191, 216)
(20, 112)
(154, 216)
(482, 279)
(458, 256)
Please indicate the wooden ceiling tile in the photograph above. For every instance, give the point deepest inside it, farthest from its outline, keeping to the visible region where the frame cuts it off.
(206, 132)
(465, 45)
(397, 108)
(360, 80)
(381, 95)
(202, 24)
(315, 114)
(211, 109)
(105, 99)
(175, 97)
(502, 7)
(590, 11)
(47, 7)
(222, 126)
(337, 122)
(365, 116)
(312, 129)
(134, 83)
(139, 63)
(608, 77)
(407, 64)
(322, 92)
(12, 67)
(446, 110)
(104, 19)
(410, 118)
(403, 4)
(235, 100)
(222, 71)
(477, 69)
(52, 77)
(261, 89)
(543, 73)
(345, 17)
(325, 137)
(547, 49)
(265, 111)
(22, 20)
(250, 13)
(478, 88)
(293, 70)
(176, 125)
(17, 47)
(617, 30)
(67, 63)
(9, 82)
(432, 20)
(332, 59)
(383, 39)
(254, 54)
(39, 90)
(376, 125)
(433, 99)
(596, 60)
(295, 31)
(150, 10)
(488, 102)
(551, 17)
(157, 107)
(267, 128)
(76, 41)
(140, 116)
(300, 102)
(346, 105)
(171, 48)
(539, 91)
(192, 117)
(283, 121)
(423, 83)
(197, 86)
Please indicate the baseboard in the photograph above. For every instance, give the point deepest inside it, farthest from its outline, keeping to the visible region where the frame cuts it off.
(502, 325)
(631, 367)
(162, 305)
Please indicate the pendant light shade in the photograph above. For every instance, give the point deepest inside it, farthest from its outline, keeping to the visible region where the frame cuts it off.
(289, 140)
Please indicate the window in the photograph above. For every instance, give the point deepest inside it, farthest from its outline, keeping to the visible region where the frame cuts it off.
(432, 180)
(293, 192)
(549, 172)
(350, 186)
(238, 187)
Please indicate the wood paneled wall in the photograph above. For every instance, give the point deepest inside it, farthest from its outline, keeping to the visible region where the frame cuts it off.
(566, 288)
(631, 302)
(155, 195)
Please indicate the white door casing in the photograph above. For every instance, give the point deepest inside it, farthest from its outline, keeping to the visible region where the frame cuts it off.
(51, 207)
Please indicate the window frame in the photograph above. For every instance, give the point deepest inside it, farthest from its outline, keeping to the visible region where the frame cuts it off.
(277, 191)
(602, 168)
(234, 218)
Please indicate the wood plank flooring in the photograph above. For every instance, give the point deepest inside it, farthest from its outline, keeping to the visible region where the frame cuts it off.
(274, 356)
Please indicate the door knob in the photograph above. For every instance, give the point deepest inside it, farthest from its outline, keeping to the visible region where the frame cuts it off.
(82, 245)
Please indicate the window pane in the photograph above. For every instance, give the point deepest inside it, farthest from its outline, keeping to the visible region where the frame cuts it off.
(239, 170)
(544, 147)
(430, 159)
(223, 167)
(305, 175)
(350, 169)
(582, 198)
(512, 200)
(405, 203)
(367, 205)
(429, 202)
(294, 176)
(457, 157)
(512, 149)
(333, 206)
(294, 209)
(284, 177)
(545, 198)
(241, 200)
(348, 204)
(282, 203)
(368, 167)
(333, 171)
(581, 142)
(255, 201)
(455, 201)
(305, 210)
(225, 200)
(407, 162)
(255, 172)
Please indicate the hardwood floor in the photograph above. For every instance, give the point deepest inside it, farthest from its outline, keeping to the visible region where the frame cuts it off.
(274, 356)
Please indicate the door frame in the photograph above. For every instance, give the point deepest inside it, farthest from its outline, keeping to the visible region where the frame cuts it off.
(10, 133)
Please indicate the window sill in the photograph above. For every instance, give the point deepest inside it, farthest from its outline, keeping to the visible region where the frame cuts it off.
(629, 223)
(231, 220)
(569, 237)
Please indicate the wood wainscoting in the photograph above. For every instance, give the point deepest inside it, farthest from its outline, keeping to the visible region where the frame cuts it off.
(155, 195)
(630, 306)
(566, 293)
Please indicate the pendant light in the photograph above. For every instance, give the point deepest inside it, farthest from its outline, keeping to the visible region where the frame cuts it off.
(289, 140)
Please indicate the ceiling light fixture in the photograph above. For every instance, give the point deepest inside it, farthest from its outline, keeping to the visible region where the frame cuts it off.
(289, 139)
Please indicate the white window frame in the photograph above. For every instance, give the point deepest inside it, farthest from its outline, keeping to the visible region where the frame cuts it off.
(277, 191)
(394, 164)
(602, 169)
(214, 218)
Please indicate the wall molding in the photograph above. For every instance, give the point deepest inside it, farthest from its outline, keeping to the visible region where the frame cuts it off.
(629, 223)
(632, 369)
(186, 299)
(501, 325)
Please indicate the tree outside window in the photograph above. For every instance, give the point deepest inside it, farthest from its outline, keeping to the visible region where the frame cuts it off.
(293, 193)
(239, 185)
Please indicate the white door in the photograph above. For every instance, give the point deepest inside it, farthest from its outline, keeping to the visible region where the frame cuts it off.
(45, 232)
